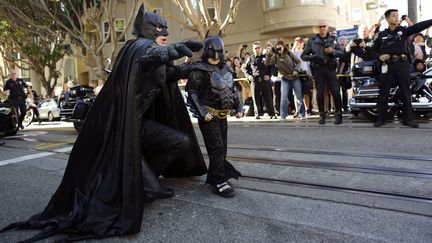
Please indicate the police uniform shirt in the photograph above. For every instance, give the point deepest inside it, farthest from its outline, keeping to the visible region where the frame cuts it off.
(395, 42)
(256, 66)
(16, 89)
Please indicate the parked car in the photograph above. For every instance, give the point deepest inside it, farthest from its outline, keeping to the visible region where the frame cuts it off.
(49, 110)
(76, 107)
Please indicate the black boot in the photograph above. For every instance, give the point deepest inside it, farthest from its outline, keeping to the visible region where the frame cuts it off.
(322, 118)
(161, 194)
(412, 124)
(338, 117)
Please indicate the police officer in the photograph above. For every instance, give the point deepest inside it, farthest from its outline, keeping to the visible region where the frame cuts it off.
(321, 51)
(261, 85)
(17, 95)
(391, 49)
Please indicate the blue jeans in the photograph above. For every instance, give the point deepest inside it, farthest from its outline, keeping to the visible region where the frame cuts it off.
(286, 85)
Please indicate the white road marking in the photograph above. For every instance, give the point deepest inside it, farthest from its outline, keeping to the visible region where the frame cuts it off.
(34, 156)
(26, 134)
(64, 150)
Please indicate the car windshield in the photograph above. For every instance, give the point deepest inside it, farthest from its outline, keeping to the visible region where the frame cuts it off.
(45, 103)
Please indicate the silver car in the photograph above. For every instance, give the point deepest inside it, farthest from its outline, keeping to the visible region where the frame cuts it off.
(49, 110)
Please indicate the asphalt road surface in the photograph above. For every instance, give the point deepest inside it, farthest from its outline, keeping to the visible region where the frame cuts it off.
(302, 182)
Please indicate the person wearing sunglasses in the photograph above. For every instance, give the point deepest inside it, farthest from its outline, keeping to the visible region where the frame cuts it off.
(259, 74)
(17, 95)
(322, 51)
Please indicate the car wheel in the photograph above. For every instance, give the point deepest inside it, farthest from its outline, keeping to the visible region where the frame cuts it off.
(372, 113)
(50, 116)
(28, 118)
(14, 124)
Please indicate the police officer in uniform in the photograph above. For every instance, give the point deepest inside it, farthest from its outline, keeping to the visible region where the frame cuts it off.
(321, 51)
(17, 95)
(261, 85)
(211, 97)
(391, 49)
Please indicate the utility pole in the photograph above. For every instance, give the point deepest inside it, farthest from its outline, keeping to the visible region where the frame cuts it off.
(412, 10)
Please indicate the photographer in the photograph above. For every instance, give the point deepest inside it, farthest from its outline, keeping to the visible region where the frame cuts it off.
(361, 45)
(321, 51)
(344, 69)
(289, 66)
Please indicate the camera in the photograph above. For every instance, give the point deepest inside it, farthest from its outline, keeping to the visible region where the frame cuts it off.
(327, 43)
(244, 46)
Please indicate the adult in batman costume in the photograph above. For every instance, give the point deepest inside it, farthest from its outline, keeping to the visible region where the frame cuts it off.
(125, 143)
(212, 96)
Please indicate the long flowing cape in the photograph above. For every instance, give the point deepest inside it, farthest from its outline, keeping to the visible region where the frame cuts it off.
(100, 194)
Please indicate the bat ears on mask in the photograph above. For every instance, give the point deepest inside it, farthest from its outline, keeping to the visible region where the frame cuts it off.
(208, 34)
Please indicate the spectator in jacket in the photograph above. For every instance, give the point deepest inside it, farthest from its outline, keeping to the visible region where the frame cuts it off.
(289, 66)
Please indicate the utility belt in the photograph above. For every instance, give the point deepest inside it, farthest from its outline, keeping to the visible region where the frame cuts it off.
(397, 58)
(220, 114)
(258, 79)
(17, 98)
(330, 64)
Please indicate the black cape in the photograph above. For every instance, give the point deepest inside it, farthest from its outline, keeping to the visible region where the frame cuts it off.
(100, 194)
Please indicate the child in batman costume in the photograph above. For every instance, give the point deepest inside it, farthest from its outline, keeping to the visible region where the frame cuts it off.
(212, 96)
(126, 142)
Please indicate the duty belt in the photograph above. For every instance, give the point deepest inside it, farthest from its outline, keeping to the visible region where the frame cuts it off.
(401, 57)
(221, 114)
(258, 78)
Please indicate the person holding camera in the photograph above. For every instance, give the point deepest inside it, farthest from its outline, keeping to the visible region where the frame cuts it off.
(305, 74)
(321, 51)
(261, 86)
(289, 66)
(391, 49)
(343, 70)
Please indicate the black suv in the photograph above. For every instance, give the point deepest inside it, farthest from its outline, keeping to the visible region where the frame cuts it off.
(75, 108)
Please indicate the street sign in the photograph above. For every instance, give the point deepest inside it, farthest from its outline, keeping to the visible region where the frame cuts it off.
(348, 33)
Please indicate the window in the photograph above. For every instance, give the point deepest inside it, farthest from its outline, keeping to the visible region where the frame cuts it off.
(271, 4)
(211, 9)
(119, 26)
(157, 11)
(312, 2)
(357, 14)
(25, 70)
(212, 12)
(338, 7)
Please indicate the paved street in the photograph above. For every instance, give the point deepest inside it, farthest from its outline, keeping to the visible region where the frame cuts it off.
(301, 182)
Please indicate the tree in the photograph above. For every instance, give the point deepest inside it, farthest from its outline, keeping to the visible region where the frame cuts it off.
(199, 18)
(39, 48)
(84, 23)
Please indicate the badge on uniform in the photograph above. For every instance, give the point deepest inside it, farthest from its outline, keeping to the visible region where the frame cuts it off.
(384, 68)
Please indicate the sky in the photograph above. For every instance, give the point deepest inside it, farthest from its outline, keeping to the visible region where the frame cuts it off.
(401, 5)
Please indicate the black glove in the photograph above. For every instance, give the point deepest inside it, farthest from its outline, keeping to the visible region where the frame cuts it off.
(178, 50)
(184, 69)
(193, 45)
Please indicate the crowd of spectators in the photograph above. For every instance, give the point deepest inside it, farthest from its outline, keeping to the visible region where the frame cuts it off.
(273, 78)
